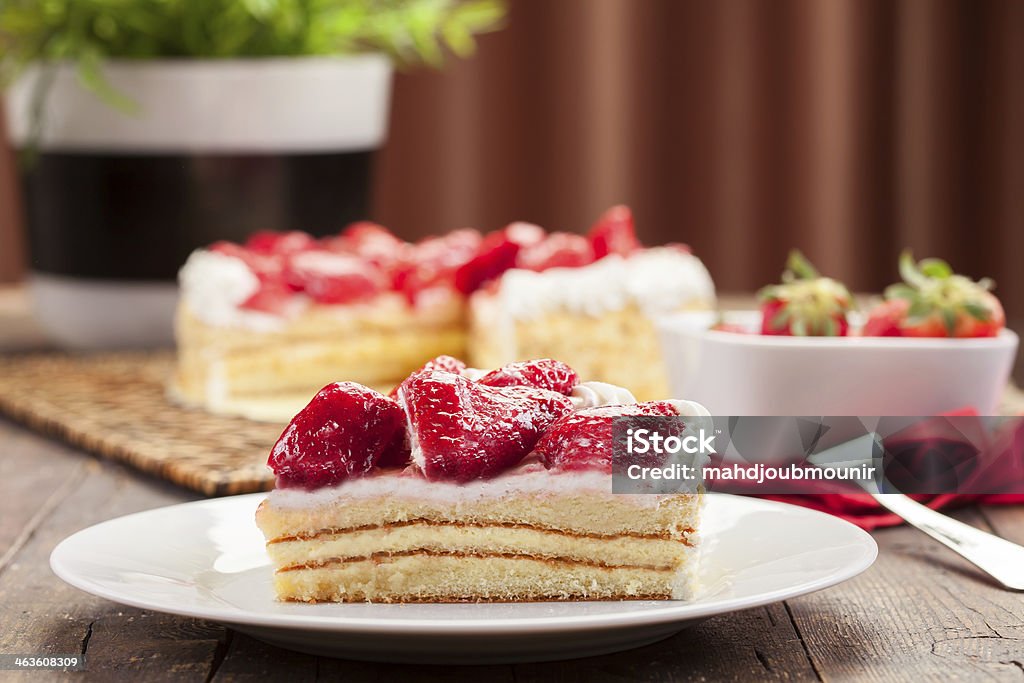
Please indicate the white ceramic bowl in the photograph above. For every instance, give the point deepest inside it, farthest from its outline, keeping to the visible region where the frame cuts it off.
(753, 374)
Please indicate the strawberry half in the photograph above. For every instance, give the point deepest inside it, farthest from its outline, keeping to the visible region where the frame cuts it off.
(343, 433)
(462, 430)
(940, 303)
(805, 304)
(497, 254)
(543, 373)
(614, 233)
(584, 440)
(559, 250)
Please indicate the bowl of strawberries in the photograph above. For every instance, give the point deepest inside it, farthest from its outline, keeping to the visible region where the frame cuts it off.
(935, 342)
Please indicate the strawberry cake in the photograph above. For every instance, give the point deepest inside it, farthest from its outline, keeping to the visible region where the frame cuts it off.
(464, 485)
(262, 325)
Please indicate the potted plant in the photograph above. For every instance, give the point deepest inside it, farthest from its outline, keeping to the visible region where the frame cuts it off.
(150, 127)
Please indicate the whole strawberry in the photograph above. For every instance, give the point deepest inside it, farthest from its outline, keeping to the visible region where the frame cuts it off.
(805, 304)
(940, 303)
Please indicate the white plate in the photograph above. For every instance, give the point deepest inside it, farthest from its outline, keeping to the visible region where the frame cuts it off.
(206, 560)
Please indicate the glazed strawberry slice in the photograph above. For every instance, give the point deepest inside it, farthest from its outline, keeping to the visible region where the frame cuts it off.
(268, 242)
(584, 440)
(497, 254)
(441, 363)
(543, 373)
(343, 433)
(559, 250)
(461, 430)
(614, 233)
(333, 278)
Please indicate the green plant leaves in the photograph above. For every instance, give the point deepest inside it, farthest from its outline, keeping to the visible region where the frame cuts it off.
(89, 31)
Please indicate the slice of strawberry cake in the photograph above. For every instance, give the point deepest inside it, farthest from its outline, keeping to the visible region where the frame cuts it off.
(470, 486)
(262, 326)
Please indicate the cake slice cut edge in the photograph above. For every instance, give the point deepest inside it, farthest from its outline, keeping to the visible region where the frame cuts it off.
(493, 541)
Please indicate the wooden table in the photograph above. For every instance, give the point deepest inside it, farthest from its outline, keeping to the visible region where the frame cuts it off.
(919, 613)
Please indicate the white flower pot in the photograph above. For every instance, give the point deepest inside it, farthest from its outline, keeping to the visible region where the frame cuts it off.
(216, 149)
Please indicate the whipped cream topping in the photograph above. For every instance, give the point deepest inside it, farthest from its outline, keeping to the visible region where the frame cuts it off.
(657, 280)
(213, 287)
(596, 394)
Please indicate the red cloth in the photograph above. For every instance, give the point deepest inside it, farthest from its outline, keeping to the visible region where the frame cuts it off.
(1002, 470)
(862, 510)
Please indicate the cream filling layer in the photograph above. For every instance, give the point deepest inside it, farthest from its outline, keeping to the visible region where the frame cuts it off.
(482, 540)
(530, 479)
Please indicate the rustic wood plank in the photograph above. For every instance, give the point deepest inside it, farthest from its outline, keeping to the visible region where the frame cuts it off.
(35, 480)
(247, 659)
(41, 614)
(135, 645)
(921, 612)
(757, 644)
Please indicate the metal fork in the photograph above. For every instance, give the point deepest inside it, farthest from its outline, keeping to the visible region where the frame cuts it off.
(1001, 559)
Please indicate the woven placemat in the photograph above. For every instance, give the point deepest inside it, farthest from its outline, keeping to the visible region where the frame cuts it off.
(115, 405)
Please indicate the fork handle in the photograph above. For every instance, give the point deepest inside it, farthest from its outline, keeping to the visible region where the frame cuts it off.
(997, 557)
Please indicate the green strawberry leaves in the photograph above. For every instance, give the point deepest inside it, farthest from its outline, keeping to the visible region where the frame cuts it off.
(799, 268)
(933, 289)
(809, 305)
